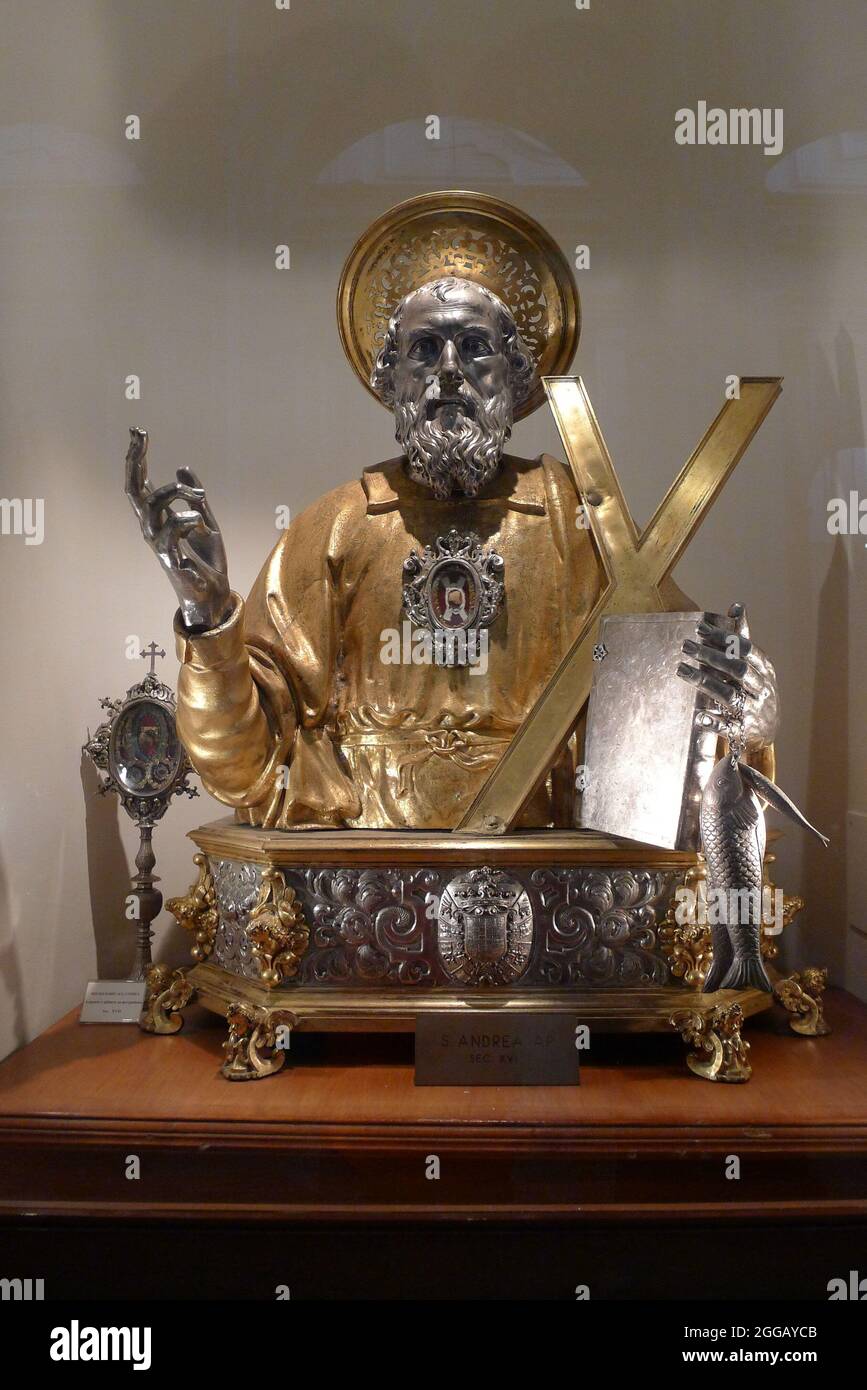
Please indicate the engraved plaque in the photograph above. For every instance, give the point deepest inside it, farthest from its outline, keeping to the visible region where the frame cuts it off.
(647, 752)
(495, 1047)
(112, 1001)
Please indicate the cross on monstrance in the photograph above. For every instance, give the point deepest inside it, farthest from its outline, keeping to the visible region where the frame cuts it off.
(634, 565)
(153, 651)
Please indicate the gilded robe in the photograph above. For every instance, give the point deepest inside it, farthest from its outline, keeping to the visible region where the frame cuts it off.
(291, 716)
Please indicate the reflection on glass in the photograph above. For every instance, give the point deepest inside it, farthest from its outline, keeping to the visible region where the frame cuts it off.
(146, 751)
(836, 164)
(467, 154)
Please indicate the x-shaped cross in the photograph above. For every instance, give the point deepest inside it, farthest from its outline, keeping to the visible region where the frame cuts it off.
(634, 566)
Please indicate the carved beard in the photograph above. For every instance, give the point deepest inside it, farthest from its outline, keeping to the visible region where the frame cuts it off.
(462, 458)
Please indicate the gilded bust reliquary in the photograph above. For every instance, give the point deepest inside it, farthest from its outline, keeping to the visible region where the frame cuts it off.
(396, 712)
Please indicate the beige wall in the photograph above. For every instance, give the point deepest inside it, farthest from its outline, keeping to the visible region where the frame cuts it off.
(156, 257)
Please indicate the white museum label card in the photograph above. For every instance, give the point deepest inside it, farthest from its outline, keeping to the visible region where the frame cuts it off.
(112, 1001)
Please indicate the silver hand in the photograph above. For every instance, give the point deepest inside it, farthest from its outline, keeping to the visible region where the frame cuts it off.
(187, 543)
(736, 674)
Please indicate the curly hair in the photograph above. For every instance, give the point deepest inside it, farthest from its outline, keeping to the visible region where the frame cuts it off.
(522, 370)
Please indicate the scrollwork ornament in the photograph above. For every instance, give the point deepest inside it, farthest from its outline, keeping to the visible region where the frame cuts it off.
(687, 944)
(801, 995)
(367, 925)
(167, 993)
(721, 1054)
(237, 888)
(603, 926)
(277, 929)
(196, 910)
(253, 1048)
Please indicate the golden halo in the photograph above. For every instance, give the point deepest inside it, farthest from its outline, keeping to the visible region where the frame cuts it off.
(478, 238)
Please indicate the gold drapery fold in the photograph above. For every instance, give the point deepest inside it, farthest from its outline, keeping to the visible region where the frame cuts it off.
(292, 715)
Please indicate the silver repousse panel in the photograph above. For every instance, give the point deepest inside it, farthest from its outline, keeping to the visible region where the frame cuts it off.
(587, 927)
(601, 926)
(646, 756)
(368, 926)
(237, 886)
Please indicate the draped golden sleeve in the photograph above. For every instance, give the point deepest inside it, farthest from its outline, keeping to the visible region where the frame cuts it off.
(255, 696)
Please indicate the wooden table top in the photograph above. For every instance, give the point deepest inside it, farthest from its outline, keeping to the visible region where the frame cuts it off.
(348, 1100)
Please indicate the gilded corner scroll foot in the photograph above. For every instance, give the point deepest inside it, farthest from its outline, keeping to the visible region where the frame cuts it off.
(721, 1053)
(801, 994)
(257, 1042)
(167, 993)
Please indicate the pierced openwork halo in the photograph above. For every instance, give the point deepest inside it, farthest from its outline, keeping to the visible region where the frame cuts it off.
(475, 237)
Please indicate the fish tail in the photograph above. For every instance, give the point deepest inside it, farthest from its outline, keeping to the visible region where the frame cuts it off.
(777, 798)
(722, 959)
(715, 975)
(747, 974)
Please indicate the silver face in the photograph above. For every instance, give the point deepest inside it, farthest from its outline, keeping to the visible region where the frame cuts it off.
(453, 368)
(456, 336)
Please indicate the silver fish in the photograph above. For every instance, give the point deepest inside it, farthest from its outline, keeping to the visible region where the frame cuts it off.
(733, 840)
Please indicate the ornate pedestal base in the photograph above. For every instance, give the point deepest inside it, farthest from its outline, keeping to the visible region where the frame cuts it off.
(261, 1021)
(365, 931)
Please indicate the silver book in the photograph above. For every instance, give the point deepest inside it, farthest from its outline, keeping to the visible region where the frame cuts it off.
(647, 751)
